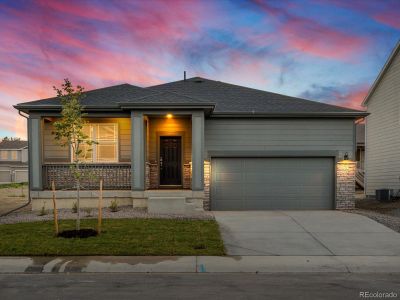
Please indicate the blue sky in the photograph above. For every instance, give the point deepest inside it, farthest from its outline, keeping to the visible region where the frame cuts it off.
(324, 50)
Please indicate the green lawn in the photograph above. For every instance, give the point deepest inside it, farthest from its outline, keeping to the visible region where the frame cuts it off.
(13, 185)
(119, 237)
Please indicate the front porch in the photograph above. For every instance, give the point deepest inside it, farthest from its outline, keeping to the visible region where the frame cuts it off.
(141, 157)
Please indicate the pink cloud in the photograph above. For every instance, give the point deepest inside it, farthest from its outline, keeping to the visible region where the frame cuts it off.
(322, 41)
(390, 18)
(313, 38)
(355, 97)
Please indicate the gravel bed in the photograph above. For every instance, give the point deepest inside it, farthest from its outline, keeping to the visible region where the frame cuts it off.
(124, 212)
(390, 221)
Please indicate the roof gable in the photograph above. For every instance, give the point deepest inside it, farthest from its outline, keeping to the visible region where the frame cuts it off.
(382, 73)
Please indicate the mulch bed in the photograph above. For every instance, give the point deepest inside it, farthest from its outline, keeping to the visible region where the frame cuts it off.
(82, 233)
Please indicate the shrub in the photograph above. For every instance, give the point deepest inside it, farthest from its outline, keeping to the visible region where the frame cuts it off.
(88, 212)
(43, 210)
(114, 205)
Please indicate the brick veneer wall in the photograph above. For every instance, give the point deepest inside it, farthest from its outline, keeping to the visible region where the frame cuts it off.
(187, 176)
(152, 175)
(207, 178)
(345, 185)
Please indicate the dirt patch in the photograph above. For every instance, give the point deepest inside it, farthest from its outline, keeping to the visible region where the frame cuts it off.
(11, 198)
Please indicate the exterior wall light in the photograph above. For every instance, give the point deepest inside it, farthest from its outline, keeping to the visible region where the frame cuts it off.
(169, 116)
(346, 159)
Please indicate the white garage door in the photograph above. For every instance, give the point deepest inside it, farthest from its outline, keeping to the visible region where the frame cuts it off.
(272, 183)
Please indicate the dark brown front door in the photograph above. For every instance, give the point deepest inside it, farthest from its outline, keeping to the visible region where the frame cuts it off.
(170, 160)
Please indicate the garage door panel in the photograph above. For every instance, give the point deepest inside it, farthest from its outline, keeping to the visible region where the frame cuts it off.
(272, 183)
(229, 177)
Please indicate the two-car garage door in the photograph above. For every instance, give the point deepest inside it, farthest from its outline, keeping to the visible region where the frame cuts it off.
(272, 183)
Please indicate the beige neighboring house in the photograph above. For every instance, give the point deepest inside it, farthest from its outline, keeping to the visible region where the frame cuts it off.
(382, 164)
(13, 161)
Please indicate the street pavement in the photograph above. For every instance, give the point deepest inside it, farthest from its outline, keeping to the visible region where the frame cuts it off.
(196, 286)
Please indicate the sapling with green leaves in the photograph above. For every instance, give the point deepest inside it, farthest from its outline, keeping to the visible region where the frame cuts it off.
(69, 132)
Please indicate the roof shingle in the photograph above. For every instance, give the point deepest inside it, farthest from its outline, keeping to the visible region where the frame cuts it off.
(228, 98)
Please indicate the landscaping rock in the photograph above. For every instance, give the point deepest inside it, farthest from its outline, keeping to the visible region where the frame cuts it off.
(124, 212)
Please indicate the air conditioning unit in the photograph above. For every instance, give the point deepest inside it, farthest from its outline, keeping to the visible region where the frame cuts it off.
(383, 195)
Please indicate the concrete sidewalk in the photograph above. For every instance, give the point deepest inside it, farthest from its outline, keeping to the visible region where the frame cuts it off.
(201, 264)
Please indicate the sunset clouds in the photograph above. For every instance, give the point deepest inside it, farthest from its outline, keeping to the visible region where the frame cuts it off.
(328, 50)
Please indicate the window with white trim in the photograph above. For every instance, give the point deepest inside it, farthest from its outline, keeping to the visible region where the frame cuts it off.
(105, 150)
(4, 155)
(14, 155)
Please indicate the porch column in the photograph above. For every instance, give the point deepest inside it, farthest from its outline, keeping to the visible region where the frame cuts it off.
(197, 151)
(137, 156)
(35, 152)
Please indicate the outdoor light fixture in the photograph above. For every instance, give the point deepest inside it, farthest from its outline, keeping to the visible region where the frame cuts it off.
(346, 158)
(169, 116)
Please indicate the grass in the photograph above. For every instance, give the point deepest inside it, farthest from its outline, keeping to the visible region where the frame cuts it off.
(13, 185)
(118, 237)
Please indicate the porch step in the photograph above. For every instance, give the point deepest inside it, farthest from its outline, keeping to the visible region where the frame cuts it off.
(166, 205)
(360, 178)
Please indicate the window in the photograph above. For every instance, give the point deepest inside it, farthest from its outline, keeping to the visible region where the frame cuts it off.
(14, 155)
(106, 148)
(4, 155)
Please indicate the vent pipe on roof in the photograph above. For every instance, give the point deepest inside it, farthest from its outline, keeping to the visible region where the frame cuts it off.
(184, 75)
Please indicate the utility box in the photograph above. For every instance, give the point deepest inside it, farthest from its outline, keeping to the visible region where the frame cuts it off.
(383, 195)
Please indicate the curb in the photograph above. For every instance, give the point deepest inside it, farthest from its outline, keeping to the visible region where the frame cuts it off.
(201, 264)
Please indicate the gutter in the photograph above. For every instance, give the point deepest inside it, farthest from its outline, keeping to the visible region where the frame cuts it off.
(349, 114)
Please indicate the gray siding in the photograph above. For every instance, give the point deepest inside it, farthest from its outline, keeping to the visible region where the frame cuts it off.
(382, 165)
(280, 135)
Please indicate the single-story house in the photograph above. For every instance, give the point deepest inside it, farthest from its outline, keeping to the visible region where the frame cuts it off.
(13, 161)
(382, 157)
(199, 144)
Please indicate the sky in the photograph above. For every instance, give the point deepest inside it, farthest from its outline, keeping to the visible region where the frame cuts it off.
(323, 50)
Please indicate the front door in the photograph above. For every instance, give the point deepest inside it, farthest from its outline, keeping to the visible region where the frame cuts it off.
(170, 160)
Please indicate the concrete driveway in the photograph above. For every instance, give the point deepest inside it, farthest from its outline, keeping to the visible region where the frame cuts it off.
(305, 233)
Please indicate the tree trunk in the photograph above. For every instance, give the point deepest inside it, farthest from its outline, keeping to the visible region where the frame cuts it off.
(78, 198)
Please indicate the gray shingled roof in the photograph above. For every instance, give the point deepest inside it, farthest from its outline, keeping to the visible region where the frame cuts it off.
(108, 96)
(230, 98)
(6, 144)
(227, 98)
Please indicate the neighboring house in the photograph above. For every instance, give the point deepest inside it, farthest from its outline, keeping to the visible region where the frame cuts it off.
(360, 154)
(13, 161)
(196, 143)
(382, 162)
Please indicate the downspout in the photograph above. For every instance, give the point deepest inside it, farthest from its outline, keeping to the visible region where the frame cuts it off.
(29, 188)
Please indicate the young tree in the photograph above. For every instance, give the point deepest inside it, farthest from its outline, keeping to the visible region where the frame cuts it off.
(69, 131)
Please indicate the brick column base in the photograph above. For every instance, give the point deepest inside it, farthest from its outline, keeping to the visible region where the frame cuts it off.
(207, 178)
(345, 185)
(151, 175)
(187, 176)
